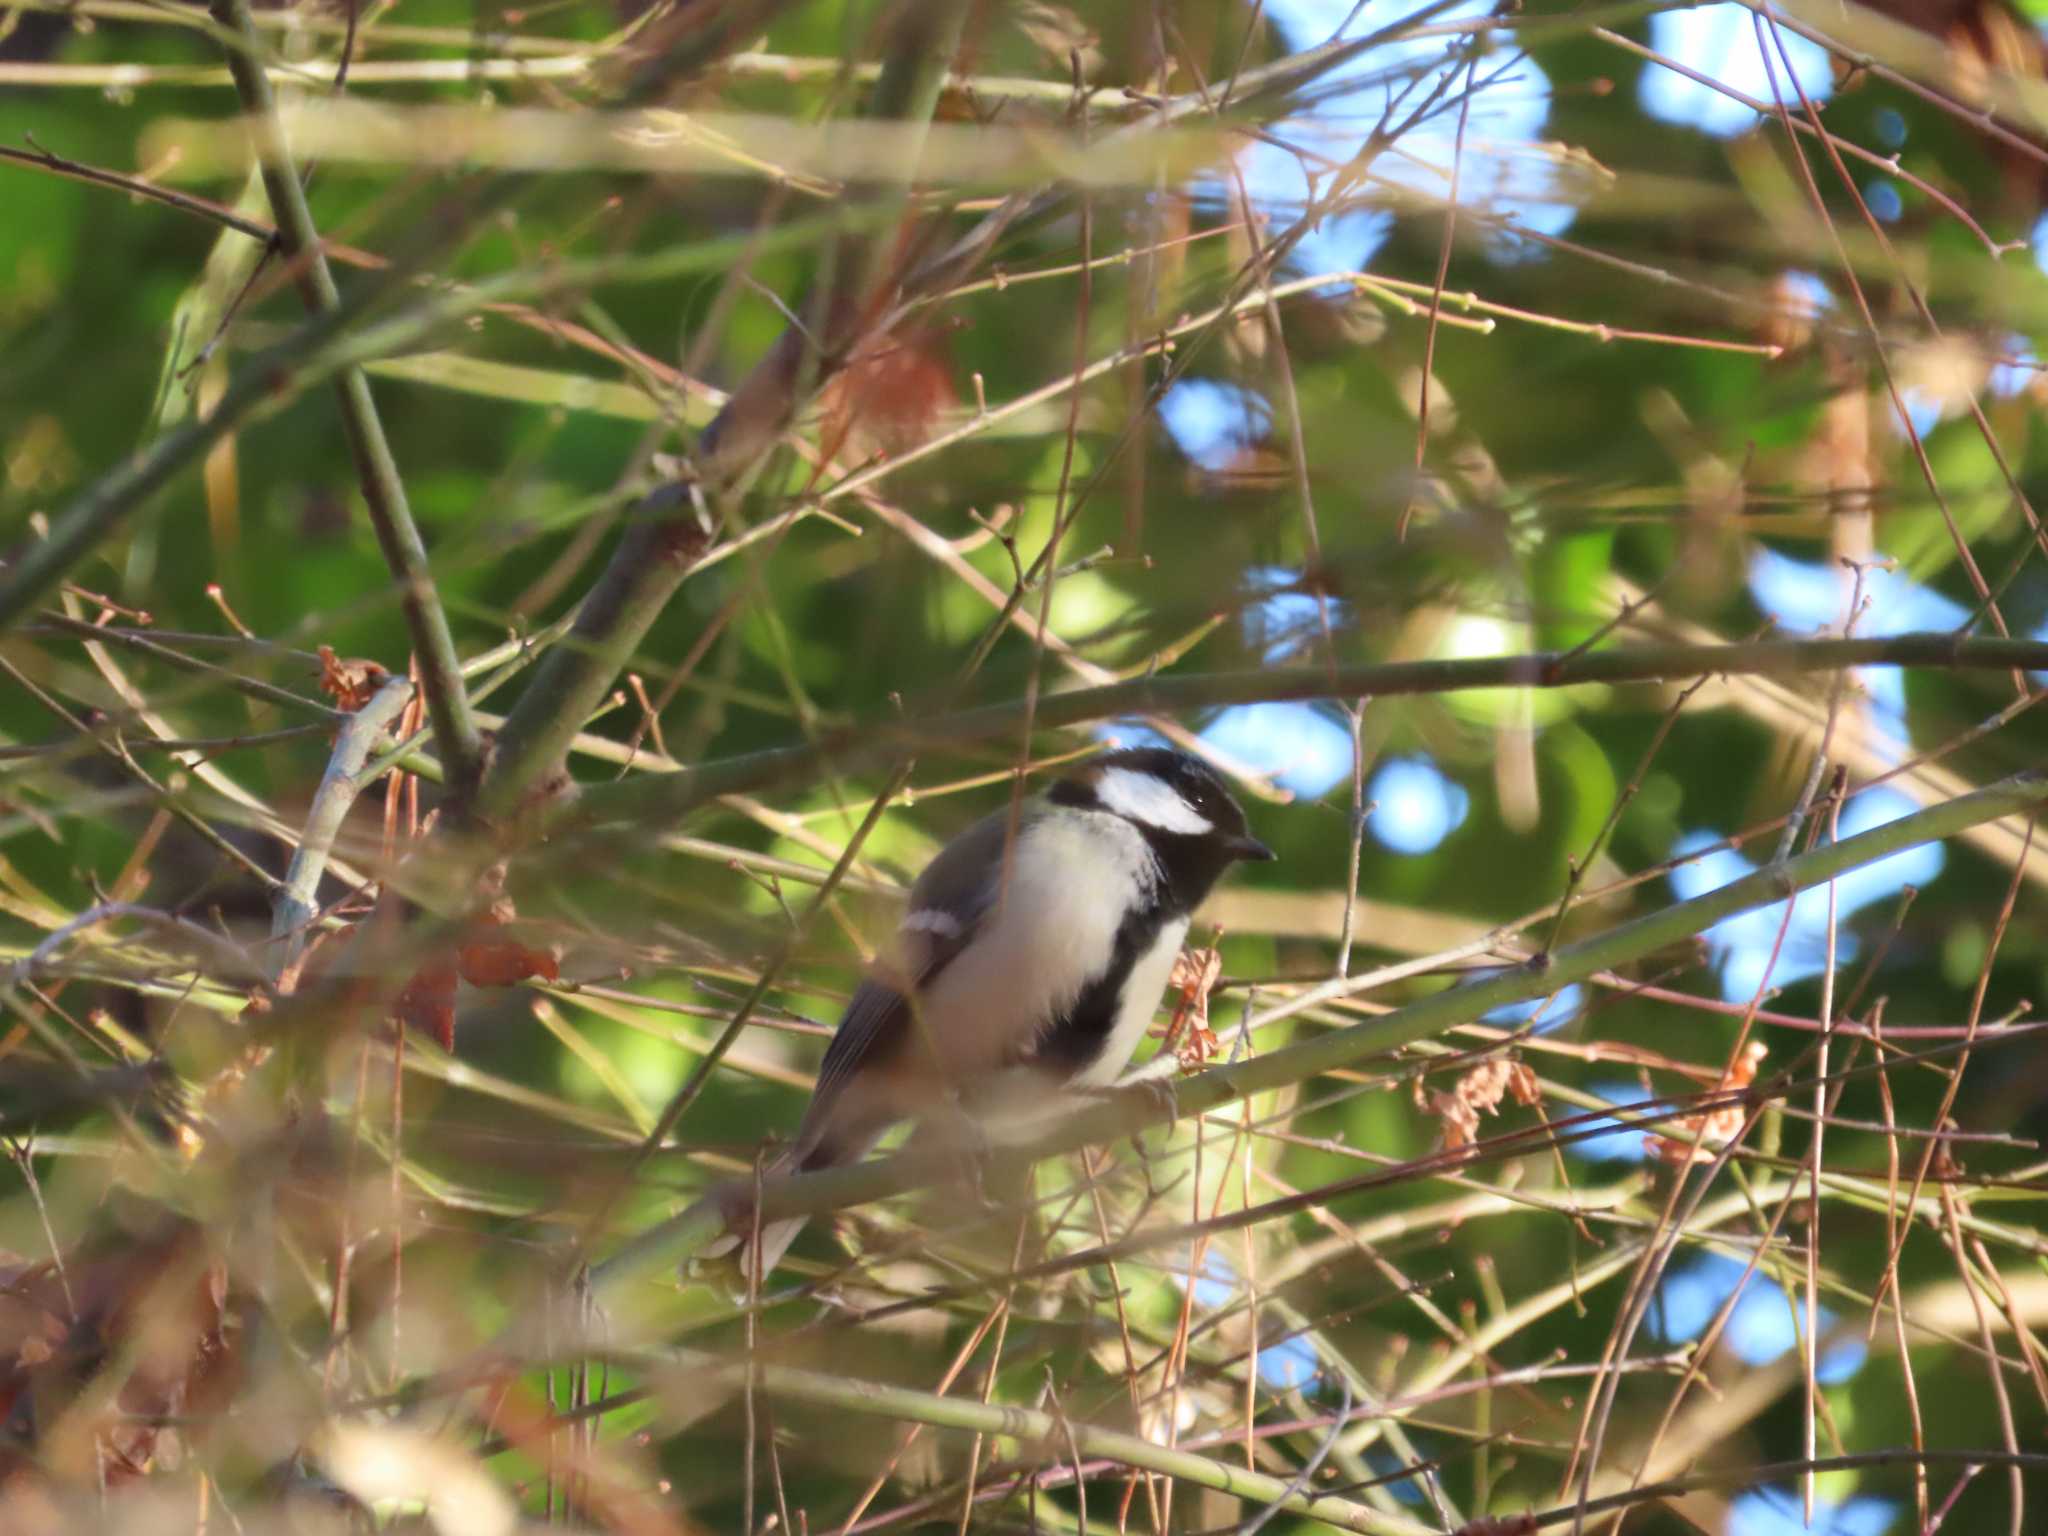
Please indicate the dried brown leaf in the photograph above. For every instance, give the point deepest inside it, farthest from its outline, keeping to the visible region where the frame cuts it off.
(1716, 1127)
(890, 394)
(427, 1002)
(1194, 975)
(1478, 1090)
(352, 680)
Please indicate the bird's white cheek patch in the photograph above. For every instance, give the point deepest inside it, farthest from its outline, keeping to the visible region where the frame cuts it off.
(1146, 799)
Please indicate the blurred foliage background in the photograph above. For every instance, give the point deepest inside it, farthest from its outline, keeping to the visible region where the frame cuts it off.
(1072, 344)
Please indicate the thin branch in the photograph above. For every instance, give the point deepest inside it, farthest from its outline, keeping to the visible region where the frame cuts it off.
(135, 186)
(1436, 300)
(661, 798)
(223, 956)
(294, 909)
(690, 1372)
(1908, 42)
(672, 527)
(456, 735)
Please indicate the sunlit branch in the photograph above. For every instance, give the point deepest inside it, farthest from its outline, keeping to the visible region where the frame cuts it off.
(672, 526)
(690, 1371)
(664, 797)
(455, 730)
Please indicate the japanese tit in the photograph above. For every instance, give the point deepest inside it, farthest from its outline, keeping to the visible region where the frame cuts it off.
(1027, 967)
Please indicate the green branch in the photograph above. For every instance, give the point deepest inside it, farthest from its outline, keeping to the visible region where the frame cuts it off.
(659, 799)
(813, 1193)
(673, 525)
(1054, 1436)
(1036, 1434)
(329, 341)
(459, 743)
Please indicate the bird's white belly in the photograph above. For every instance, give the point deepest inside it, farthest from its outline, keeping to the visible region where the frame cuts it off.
(1072, 877)
(1015, 1106)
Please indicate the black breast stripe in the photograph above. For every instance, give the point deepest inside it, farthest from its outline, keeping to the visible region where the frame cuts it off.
(1074, 1039)
(1188, 867)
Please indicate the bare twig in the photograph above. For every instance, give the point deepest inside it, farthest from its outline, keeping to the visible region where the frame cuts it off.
(294, 909)
(655, 800)
(455, 728)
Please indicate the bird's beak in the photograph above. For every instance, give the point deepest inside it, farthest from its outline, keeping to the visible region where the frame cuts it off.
(1251, 848)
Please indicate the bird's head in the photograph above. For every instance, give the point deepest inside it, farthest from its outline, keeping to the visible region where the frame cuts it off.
(1177, 801)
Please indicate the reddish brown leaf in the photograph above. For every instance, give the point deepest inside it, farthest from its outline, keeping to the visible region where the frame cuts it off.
(1478, 1090)
(350, 681)
(1715, 1127)
(1523, 1087)
(428, 1002)
(502, 961)
(492, 954)
(1460, 1119)
(1195, 973)
(890, 394)
(489, 953)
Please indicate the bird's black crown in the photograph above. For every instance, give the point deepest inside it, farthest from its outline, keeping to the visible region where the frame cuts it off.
(1211, 830)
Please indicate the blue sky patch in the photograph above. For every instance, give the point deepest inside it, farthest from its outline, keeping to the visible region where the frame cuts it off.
(1720, 41)
(1415, 807)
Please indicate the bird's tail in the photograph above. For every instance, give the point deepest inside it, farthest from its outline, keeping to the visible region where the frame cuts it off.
(741, 1247)
(776, 1236)
(740, 1240)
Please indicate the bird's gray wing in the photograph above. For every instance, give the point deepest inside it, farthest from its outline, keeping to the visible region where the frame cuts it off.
(947, 905)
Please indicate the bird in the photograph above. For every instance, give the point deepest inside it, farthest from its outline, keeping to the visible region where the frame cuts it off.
(1026, 969)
